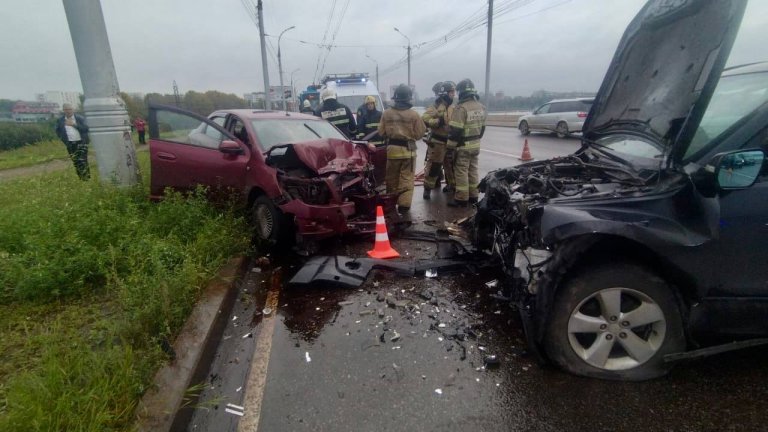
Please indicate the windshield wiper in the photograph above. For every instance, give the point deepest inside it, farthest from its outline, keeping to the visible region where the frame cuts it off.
(607, 152)
(312, 130)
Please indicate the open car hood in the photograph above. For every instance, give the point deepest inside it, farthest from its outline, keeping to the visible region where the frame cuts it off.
(324, 155)
(665, 70)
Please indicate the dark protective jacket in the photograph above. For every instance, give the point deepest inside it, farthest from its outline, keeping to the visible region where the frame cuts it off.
(340, 116)
(367, 122)
(80, 125)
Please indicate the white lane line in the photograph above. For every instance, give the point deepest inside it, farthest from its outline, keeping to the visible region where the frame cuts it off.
(499, 153)
(257, 376)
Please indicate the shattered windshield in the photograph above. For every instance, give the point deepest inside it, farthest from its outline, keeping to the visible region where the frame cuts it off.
(734, 99)
(630, 146)
(271, 132)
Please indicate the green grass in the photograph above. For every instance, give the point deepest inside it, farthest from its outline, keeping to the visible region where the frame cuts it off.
(35, 154)
(92, 280)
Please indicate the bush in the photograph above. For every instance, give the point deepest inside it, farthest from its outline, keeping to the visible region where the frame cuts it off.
(15, 135)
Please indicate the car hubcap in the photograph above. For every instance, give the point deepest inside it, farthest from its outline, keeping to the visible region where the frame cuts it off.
(616, 329)
(562, 129)
(524, 128)
(264, 221)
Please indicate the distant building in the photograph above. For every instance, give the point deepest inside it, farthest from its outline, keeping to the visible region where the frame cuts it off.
(29, 112)
(60, 98)
(136, 95)
(255, 99)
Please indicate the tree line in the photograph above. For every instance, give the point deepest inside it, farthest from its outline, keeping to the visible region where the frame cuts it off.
(197, 102)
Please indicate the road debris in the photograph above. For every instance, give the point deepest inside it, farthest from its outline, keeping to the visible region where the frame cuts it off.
(307, 357)
(234, 409)
(346, 303)
(430, 273)
(267, 311)
(491, 361)
(439, 391)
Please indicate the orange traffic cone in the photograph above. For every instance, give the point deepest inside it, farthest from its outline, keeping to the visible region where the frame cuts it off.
(382, 249)
(526, 156)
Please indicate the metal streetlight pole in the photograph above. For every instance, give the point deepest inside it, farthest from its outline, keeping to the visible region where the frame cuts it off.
(377, 70)
(280, 64)
(409, 55)
(293, 90)
(264, 68)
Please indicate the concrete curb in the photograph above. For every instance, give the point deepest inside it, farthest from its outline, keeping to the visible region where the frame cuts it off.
(194, 347)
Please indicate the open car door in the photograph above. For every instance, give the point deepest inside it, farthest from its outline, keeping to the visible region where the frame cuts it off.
(187, 150)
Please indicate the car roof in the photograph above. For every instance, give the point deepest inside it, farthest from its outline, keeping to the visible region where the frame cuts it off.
(573, 100)
(251, 114)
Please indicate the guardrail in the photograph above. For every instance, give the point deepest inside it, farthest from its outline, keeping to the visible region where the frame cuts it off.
(505, 120)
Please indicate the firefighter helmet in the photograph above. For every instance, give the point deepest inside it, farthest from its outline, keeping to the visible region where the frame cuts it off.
(307, 104)
(447, 87)
(466, 88)
(370, 99)
(436, 88)
(403, 93)
(328, 94)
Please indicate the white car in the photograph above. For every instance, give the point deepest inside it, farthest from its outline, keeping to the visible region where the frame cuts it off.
(561, 116)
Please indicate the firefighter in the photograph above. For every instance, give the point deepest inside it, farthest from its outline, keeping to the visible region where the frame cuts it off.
(368, 118)
(436, 118)
(467, 127)
(306, 107)
(401, 127)
(337, 114)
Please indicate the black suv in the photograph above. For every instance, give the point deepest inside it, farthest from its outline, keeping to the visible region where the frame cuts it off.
(652, 238)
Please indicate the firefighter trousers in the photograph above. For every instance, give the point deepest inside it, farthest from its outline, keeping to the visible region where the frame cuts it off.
(434, 164)
(465, 169)
(399, 179)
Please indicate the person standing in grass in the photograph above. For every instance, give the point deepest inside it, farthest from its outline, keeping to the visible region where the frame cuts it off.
(73, 132)
(140, 126)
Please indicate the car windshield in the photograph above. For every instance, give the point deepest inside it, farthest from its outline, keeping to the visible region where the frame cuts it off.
(735, 97)
(271, 132)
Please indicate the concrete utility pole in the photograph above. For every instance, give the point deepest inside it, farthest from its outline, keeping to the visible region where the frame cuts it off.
(409, 55)
(488, 57)
(280, 65)
(110, 127)
(267, 102)
(377, 70)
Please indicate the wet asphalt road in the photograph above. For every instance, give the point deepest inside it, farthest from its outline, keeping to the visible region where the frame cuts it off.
(407, 354)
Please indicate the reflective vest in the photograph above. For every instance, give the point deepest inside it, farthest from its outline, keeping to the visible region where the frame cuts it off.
(468, 122)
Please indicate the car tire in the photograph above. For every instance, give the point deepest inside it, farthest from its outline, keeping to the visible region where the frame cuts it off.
(562, 130)
(268, 221)
(524, 129)
(614, 322)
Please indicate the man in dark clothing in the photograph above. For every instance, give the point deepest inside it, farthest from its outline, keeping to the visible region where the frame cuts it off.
(368, 118)
(73, 132)
(337, 114)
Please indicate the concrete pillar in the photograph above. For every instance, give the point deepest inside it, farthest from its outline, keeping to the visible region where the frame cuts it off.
(110, 129)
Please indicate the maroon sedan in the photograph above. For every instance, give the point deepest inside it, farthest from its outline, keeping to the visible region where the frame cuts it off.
(296, 173)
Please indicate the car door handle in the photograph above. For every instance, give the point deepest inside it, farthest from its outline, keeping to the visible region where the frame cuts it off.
(166, 156)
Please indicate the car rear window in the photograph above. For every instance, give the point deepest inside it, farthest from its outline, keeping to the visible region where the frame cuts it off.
(271, 132)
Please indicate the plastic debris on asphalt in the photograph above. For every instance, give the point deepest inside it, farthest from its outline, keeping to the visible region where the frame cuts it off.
(439, 391)
(307, 357)
(234, 409)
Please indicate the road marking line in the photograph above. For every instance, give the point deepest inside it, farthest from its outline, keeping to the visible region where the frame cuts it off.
(257, 376)
(499, 153)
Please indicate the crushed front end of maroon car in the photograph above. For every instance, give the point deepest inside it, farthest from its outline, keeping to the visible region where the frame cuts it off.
(329, 187)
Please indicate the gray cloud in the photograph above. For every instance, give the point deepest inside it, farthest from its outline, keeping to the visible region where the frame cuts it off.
(547, 44)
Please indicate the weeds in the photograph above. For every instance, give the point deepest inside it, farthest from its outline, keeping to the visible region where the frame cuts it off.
(91, 279)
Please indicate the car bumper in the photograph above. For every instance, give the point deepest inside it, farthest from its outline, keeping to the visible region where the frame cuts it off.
(357, 216)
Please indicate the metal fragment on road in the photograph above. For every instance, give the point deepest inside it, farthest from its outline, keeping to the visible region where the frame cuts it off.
(395, 337)
(307, 357)
(247, 335)
(238, 389)
(492, 284)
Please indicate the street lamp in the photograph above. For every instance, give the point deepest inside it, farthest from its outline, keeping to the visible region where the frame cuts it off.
(293, 90)
(280, 64)
(377, 69)
(409, 55)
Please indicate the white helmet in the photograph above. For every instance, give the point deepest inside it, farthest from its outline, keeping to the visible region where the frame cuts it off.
(328, 94)
(307, 104)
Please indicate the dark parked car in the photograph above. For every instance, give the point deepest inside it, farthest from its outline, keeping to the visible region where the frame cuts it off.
(650, 240)
(297, 173)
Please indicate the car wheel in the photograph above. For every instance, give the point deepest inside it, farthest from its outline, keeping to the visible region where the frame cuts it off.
(267, 220)
(524, 129)
(562, 130)
(615, 322)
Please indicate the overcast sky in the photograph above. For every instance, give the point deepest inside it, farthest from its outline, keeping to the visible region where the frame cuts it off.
(558, 45)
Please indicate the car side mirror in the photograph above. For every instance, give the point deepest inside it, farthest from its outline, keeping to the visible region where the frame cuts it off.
(230, 147)
(737, 169)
